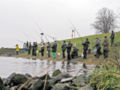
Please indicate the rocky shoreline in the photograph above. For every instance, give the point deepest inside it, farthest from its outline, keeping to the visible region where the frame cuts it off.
(58, 81)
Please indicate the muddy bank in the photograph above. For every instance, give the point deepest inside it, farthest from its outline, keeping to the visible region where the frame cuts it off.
(12, 53)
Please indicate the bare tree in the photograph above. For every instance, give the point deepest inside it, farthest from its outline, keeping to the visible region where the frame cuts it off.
(105, 21)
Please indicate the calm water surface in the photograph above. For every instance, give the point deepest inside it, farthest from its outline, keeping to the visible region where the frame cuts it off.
(9, 65)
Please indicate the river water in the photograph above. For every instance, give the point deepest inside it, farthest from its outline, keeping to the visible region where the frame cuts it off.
(9, 65)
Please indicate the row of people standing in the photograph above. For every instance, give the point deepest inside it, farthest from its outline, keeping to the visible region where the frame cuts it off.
(68, 47)
(105, 45)
(53, 48)
(86, 49)
(49, 47)
(28, 47)
(98, 46)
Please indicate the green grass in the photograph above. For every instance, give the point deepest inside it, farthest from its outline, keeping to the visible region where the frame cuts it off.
(106, 78)
(106, 75)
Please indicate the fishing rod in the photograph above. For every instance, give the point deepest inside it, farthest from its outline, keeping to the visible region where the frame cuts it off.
(53, 38)
(41, 33)
(20, 41)
(33, 37)
(29, 36)
(37, 32)
(74, 28)
(37, 35)
(46, 38)
(26, 36)
(78, 35)
(5, 44)
(45, 34)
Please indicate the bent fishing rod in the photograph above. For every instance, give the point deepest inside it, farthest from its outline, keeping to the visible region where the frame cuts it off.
(74, 28)
(45, 34)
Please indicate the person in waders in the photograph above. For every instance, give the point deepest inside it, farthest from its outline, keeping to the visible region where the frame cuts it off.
(49, 49)
(27, 45)
(63, 49)
(54, 49)
(34, 49)
(29, 48)
(105, 47)
(112, 37)
(42, 49)
(98, 47)
(85, 48)
(69, 47)
(17, 49)
(24, 47)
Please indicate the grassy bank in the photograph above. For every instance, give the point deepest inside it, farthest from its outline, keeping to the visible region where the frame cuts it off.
(106, 76)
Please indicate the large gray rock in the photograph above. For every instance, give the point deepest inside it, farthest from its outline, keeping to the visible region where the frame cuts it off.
(8, 80)
(28, 75)
(30, 84)
(2, 87)
(38, 85)
(63, 87)
(44, 76)
(55, 73)
(80, 80)
(54, 80)
(17, 79)
(59, 78)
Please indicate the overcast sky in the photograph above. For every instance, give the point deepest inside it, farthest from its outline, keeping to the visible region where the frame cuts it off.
(19, 19)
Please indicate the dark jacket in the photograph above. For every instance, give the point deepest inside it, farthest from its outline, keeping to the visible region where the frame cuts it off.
(106, 45)
(112, 35)
(98, 45)
(54, 47)
(63, 47)
(69, 47)
(86, 45)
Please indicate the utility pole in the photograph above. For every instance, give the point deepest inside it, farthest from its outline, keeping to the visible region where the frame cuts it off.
(73, 34)
(74, 30)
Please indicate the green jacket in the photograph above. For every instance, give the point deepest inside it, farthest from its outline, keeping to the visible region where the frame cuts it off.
(106, 45)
